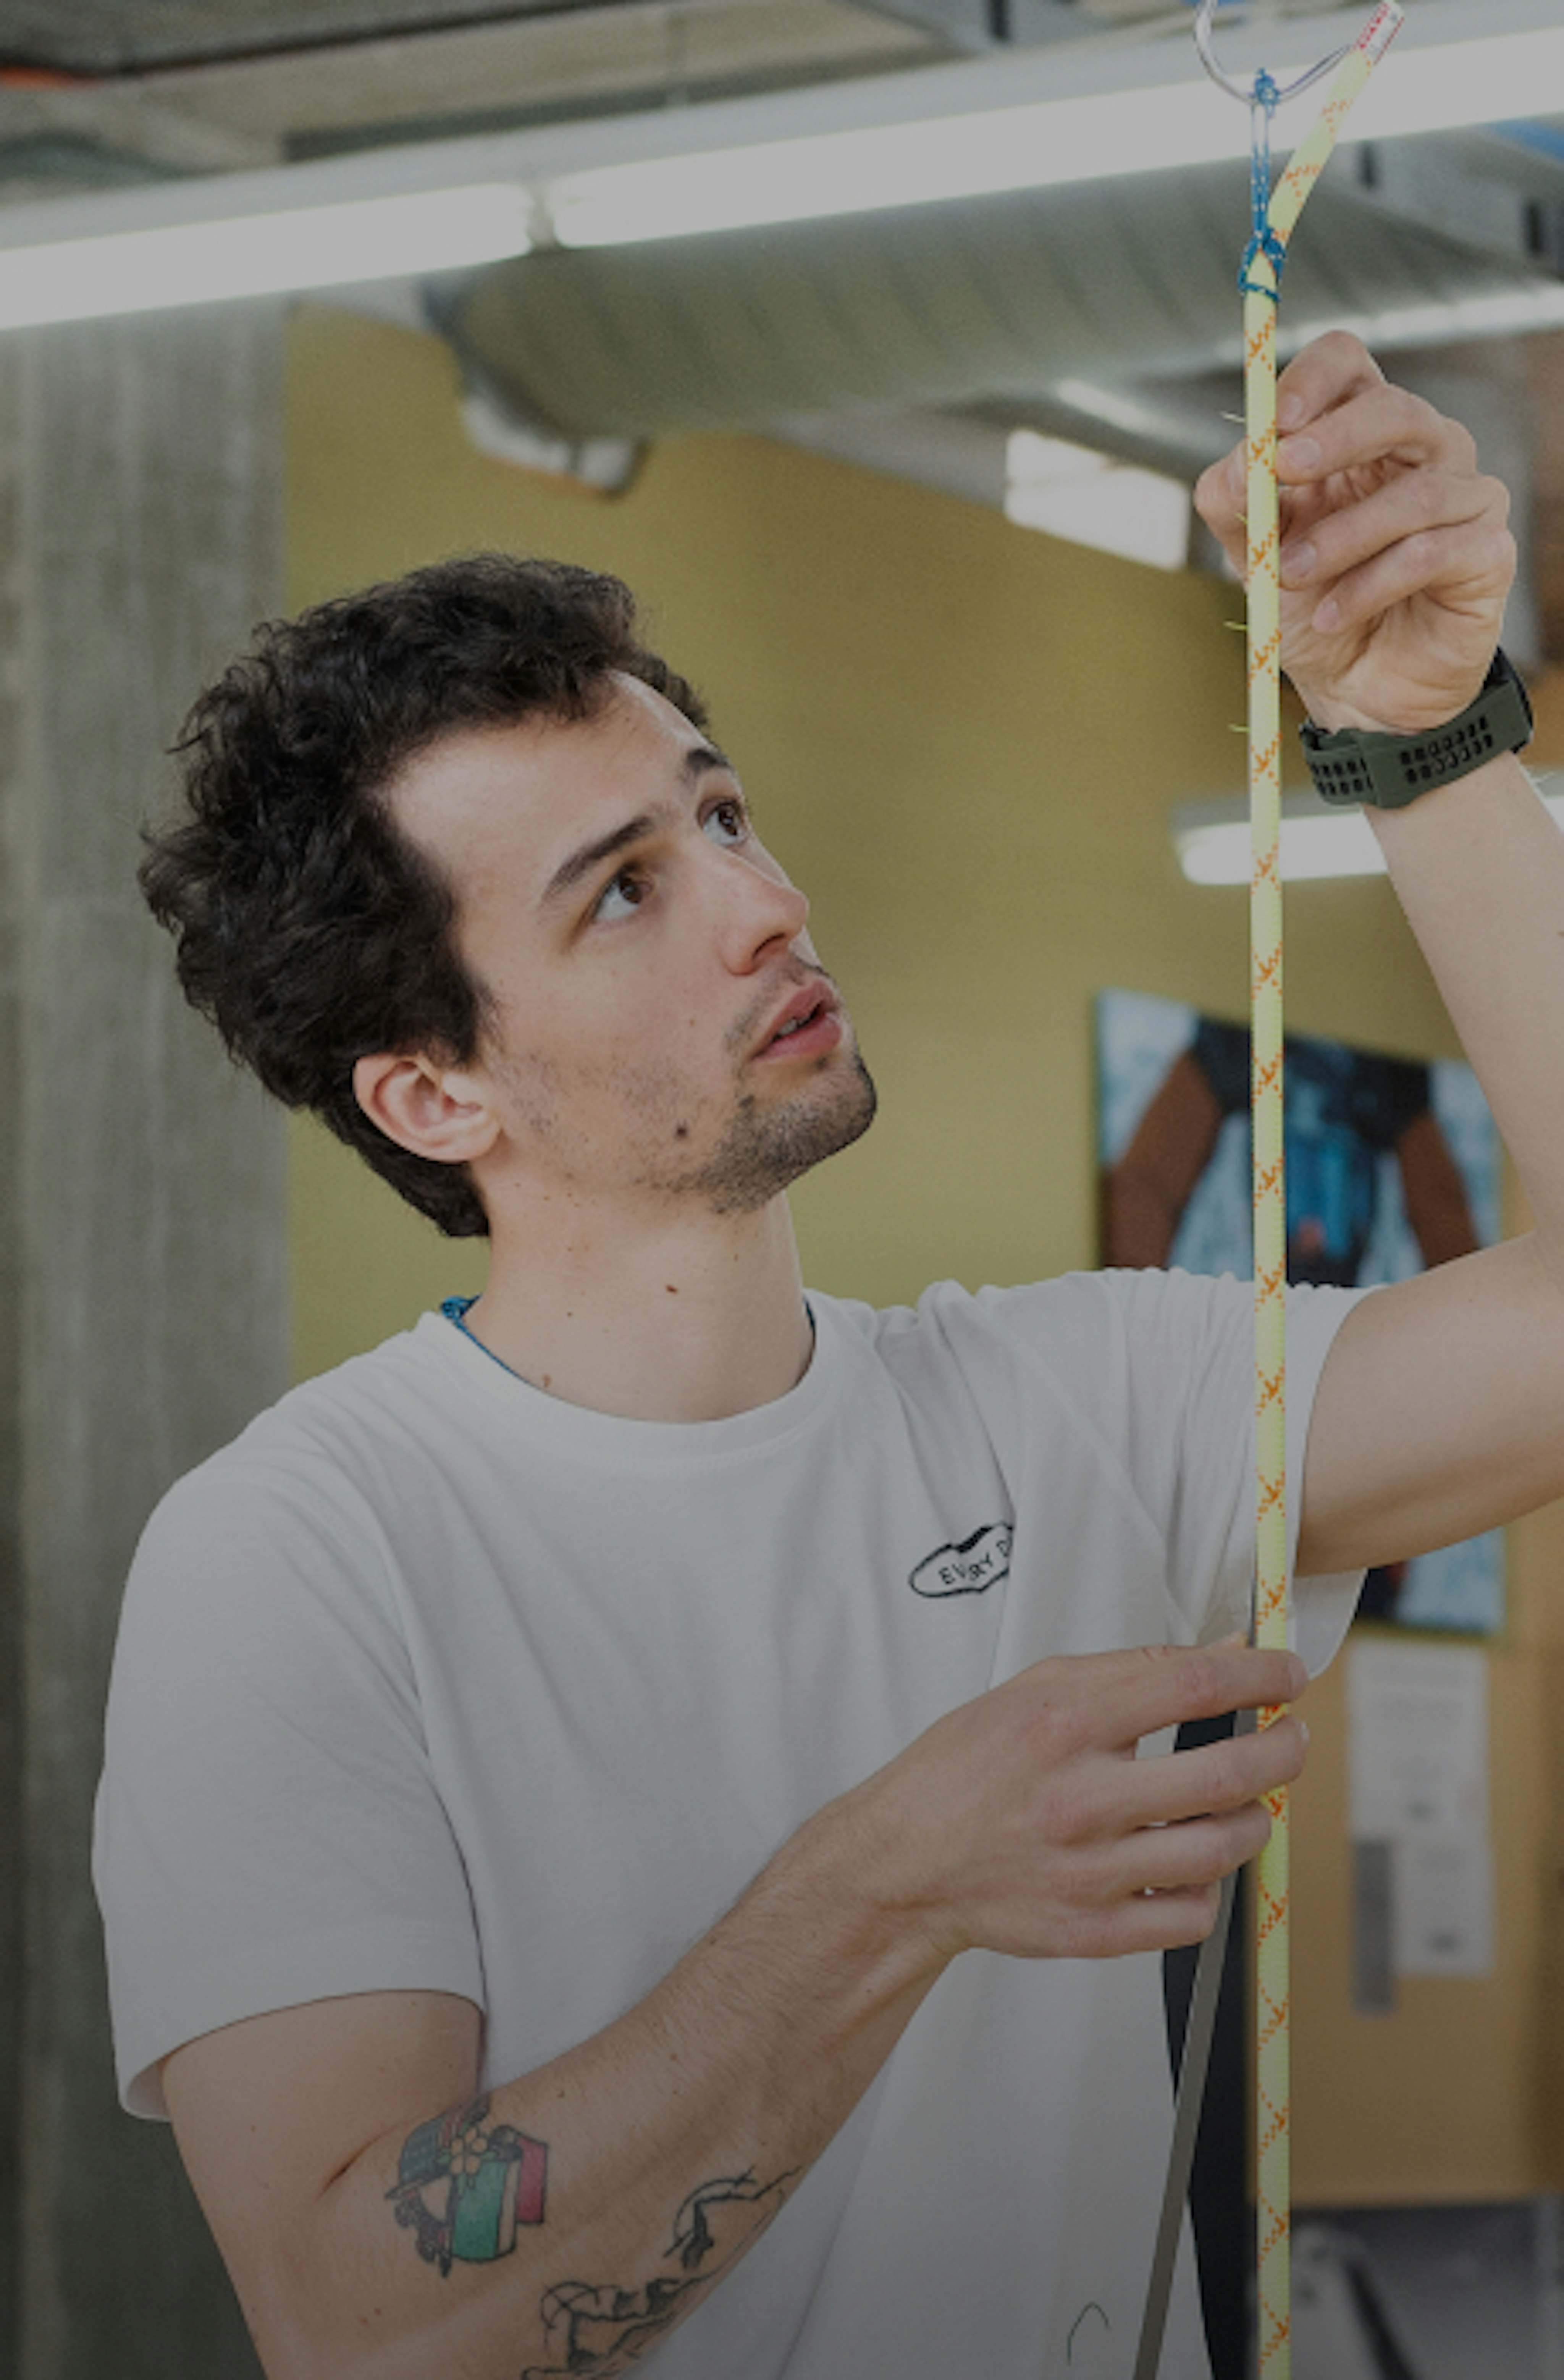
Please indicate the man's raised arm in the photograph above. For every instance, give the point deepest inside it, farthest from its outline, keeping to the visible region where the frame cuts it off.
(1440, 1411)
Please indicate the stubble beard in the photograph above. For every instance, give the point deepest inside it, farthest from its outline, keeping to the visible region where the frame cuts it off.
(767, 1146)
(764, 1145)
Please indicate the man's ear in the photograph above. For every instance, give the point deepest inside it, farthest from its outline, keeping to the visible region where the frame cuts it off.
(433, 1109)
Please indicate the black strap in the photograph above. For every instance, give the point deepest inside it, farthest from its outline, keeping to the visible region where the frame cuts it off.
(1194, 2066)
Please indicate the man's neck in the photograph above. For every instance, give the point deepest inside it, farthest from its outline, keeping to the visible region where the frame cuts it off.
(693, 1321)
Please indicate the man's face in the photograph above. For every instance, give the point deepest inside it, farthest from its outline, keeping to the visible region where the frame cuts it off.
(659, 1027)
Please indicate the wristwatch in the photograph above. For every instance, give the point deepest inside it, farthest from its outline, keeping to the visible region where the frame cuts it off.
(1386, 771)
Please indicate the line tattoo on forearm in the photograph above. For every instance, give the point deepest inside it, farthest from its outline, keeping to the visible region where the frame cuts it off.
(594, 2330)
(463, 2186)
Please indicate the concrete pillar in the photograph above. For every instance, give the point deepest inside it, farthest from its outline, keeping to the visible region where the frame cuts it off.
(143, 1239)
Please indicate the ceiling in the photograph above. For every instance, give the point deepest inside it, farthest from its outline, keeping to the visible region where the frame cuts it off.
(97, 94)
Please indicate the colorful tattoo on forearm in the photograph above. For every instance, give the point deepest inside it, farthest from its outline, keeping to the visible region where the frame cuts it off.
(463, 2185)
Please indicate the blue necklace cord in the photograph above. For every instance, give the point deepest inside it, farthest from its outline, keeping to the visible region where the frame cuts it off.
(455, 1310)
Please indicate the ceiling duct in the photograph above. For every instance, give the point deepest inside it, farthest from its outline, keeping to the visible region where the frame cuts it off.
(983, 300)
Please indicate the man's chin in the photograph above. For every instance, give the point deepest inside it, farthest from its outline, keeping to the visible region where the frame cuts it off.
(765, 1151)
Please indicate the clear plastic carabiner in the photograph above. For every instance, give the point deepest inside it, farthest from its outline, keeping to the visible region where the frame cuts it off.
(1204, 17)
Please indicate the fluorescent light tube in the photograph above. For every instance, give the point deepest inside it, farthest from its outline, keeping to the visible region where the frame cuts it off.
(1072, 492)
(1088, 137)
(1212, 841)
(1534, 305)
(979, 126)
(1220, 853)
(1081, 139)
(257, 255)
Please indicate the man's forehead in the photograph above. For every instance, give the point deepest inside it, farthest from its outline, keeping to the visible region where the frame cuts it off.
(530, 787)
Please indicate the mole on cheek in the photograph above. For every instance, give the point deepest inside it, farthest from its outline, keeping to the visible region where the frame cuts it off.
(681, 1132)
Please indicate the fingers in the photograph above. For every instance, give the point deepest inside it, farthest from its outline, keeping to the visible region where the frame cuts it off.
(1138, 1803)
(1396, 556)
(1187, 1859)
(1324, 540)
(1329, 373)
(1161, 1887)
(1374, 425)
(1219, 494)
(1186, 1789)
(1216, 1777)
(1109, 1701)
(1023, 1821)
(1473, 557)
(1384, 469)
(1136, 1883)
(1151, 1921)
(1339, 421)
(1418, 530)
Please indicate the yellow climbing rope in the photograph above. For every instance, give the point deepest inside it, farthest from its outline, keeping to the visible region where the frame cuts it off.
(1276, 217)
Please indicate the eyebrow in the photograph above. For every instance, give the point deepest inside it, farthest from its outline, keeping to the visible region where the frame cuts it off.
(699, 762)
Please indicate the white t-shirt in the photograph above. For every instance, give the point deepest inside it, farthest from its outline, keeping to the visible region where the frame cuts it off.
(432, 1682)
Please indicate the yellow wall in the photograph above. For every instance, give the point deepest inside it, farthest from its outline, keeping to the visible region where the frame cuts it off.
(963, 739)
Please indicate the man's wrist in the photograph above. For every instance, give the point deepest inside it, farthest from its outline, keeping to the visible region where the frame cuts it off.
(1387, 768)
(869, 1899)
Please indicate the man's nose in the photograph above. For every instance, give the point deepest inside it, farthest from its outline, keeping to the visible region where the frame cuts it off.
(761, 911)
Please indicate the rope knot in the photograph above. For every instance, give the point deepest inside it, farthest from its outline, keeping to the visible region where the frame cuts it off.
(1263, 103)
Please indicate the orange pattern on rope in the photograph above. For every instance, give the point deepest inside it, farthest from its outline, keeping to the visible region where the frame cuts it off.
(1271, 1622)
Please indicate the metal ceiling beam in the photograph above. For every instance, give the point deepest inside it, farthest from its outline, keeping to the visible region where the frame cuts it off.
(979, 25)
(1093, 65)
(103, 38)
(499, 75)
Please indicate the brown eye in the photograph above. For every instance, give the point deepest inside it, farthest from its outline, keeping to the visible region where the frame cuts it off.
(726, 821)
(623, 893)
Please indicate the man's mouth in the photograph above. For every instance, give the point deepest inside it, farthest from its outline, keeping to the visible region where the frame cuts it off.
(808, 1026)
(798, 1024)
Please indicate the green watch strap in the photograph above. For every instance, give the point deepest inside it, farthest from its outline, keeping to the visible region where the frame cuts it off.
(1388, 771)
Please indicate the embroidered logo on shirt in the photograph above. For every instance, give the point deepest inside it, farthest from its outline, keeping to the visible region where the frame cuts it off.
(970, 1568)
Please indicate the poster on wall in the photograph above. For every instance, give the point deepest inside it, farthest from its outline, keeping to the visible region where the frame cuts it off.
(1391, 1166)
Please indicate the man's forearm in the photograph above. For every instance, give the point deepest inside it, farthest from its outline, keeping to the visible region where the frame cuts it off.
(1479, 867)
(566, 2221)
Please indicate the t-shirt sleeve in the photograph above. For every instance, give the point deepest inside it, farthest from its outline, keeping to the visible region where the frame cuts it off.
(268, 1828)
(1205, 1330)
(1150, 1376)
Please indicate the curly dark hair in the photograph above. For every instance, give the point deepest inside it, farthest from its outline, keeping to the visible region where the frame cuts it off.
(310, 931)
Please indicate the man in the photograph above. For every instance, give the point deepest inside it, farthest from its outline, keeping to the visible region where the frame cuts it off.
(621, 1834)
